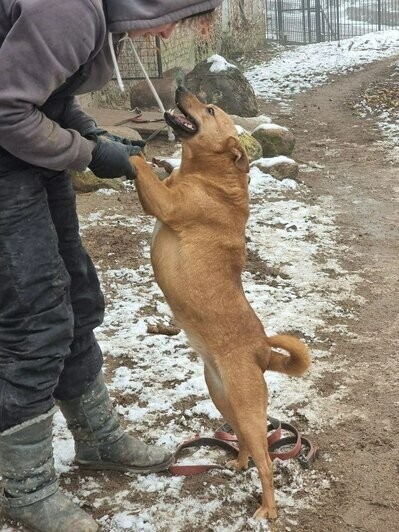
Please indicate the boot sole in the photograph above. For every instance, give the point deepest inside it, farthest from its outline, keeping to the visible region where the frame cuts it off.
(110, 466)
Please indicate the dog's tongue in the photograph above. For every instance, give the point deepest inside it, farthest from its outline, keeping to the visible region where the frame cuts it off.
(184, 121)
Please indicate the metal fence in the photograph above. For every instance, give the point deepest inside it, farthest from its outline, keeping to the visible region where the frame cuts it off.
(149, 50)
(309, 21)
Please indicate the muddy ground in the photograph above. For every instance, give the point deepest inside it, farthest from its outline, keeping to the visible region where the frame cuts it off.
(363, 460)
(365, 187)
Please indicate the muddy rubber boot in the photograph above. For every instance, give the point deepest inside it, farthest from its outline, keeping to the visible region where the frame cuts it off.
(30, 492)
(100, 442)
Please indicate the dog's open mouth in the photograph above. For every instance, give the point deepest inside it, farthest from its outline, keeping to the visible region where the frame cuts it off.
(182, 125)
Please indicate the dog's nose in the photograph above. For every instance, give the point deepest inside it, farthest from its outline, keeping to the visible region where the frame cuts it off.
(181, 90)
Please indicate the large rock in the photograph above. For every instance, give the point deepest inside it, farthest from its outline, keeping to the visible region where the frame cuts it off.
(249, 123)
(124, 131)
(251, 145)
(88, 182)
(142, 97)
(280, 167)
(215, 81)
(274, 139)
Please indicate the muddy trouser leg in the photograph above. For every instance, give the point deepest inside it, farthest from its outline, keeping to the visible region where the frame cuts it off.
(50, 299)
(36, 317)
(85, 360)
(36, 332)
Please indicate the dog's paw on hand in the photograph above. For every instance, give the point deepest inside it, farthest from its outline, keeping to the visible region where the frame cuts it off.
(139, 162)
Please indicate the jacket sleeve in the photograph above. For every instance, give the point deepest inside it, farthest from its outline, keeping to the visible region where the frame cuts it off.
(47, 43)
(75, 118)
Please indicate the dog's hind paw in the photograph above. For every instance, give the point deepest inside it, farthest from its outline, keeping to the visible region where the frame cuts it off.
(237, 465)
(265, 513)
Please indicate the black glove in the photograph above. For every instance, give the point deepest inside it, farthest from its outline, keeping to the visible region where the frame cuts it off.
(111, 159)
(94, 132)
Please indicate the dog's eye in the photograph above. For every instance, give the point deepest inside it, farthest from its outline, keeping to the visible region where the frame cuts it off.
(211, 111)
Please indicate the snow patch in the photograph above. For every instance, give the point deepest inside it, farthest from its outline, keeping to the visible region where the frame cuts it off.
(269, 127)
(240, 129)
(219, 63)
(304, 67)
(271, 161)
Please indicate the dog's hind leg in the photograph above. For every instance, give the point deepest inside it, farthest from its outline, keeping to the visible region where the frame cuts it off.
(247, 396)
(218, 396)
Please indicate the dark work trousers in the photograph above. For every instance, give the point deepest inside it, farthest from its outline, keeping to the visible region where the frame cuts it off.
(50, 298)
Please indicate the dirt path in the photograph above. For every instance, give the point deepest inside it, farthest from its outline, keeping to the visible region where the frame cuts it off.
(365, 190)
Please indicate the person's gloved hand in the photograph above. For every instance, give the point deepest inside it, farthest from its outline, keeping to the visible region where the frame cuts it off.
(95, 132)
(111, 159)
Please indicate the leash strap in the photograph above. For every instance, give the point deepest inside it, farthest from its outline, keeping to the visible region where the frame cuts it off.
(200, 441)
(138, 118)
(225, 438)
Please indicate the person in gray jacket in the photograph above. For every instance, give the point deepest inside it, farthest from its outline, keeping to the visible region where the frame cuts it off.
(50, 298)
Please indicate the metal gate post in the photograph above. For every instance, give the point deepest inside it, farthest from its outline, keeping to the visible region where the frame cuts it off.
(379, 14)
(304, 21)
(280, 21)
(159, 56)
(309, 21)
(317, 21)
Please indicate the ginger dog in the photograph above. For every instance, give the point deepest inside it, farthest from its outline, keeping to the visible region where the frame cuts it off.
(198, 254)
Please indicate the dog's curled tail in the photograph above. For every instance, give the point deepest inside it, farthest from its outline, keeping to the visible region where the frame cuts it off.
(294, 365)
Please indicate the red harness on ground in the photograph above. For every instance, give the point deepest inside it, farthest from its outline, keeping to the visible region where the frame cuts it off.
(280, 446)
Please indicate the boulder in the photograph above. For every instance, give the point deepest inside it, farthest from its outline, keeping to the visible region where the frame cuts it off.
(88, 182)
(169, 163)
(142, 97)
(251, 145)
(278, 167)
(124, 131)
(250, 122)
(274, 139)
(215, 81)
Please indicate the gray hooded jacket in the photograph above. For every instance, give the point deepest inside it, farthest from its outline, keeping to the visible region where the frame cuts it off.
(53, 49)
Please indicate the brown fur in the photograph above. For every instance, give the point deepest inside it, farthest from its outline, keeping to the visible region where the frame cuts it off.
(198, 254)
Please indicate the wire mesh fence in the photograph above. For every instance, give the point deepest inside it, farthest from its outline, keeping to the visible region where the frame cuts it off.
(149, 50)
(308, 21)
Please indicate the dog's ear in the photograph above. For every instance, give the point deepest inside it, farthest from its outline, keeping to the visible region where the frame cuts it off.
(238, 153)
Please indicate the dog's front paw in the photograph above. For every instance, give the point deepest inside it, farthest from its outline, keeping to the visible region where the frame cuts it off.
(139, 162)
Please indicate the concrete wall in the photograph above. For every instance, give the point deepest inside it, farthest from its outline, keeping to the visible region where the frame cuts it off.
(239, 26)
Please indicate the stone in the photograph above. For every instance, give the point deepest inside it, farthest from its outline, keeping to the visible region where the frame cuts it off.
(251, 145)
(124, 131)
(215, 81)
(88, 182)
(275, 140)
(142, 97)
(169, 164)
(250, 122)
(280, 167)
